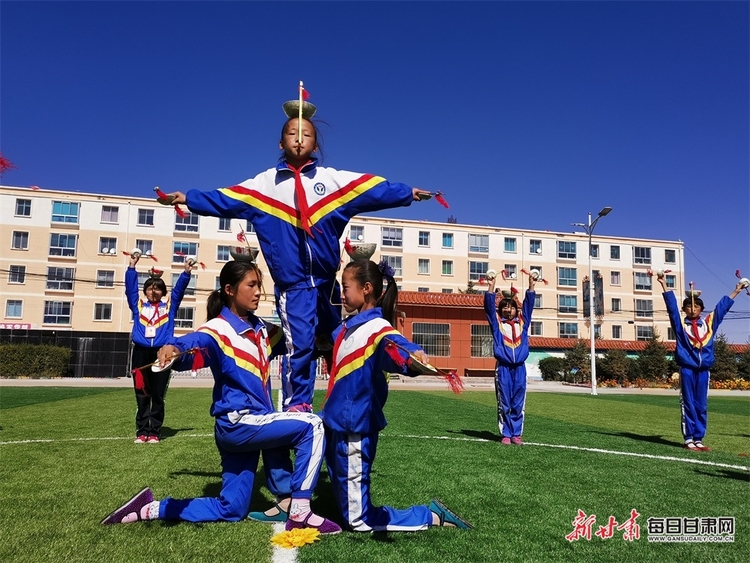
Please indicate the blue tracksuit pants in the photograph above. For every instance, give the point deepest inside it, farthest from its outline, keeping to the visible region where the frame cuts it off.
(240, 442)
(510, 388)
(305, 314)
(349, 458)
(694, 402)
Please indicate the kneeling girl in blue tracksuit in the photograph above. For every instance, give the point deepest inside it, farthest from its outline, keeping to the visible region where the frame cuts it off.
(237, 346)
(510, 333)
(366, 349)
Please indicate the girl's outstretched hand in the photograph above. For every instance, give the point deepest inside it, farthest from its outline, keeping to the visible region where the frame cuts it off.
(419, 195)
(177, 198)
(166, 354)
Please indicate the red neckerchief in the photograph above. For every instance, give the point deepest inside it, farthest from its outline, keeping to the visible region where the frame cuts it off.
(156, 313)
(512, 323)
(299, 191)
(262, 359)
(696, 334)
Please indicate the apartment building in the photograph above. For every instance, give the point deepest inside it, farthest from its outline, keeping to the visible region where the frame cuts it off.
(63, 267)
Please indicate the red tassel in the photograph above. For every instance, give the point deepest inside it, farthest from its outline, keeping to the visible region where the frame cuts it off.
(241, 236)
(348, 246)
(504, 273)
(305, 93)
(738, 274)
(140, 383)
(202, 265)
(180, 212)
(392, 351)
(178, 253)
(35, 188)
(455, 382)
(6, 164)
(441, 200)
(161, 195)
(153, 257)
(198, 362)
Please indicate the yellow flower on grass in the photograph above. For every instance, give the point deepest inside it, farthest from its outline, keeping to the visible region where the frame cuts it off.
(296, 538)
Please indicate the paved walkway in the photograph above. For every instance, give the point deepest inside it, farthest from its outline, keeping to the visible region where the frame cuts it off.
(397, 382)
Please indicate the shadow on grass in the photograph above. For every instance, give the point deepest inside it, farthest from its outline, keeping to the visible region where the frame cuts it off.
(481, 434)
(653, 439)
(167, 432)
(726, 474)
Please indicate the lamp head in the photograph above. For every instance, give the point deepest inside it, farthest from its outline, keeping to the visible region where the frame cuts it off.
(605, 211)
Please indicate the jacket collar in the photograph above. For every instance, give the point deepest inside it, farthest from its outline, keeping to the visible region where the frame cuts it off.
(239, 325)
(363, 317)
(282, 165)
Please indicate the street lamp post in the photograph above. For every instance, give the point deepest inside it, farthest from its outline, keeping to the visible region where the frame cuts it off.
(589, 228)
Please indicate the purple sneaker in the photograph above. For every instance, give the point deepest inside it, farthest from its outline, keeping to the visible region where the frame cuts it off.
(134, 505)
(326, 527)
(302, 407)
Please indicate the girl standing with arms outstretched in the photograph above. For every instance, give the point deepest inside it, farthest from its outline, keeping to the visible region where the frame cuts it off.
(300, 211)
(367, 348)
(153, 325)
(237, 346)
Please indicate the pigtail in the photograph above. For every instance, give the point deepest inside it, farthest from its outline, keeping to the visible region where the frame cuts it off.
(388, 301)
(214, 304)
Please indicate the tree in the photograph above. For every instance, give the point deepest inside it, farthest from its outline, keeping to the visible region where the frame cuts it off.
(552, 368)
(469, 288)
(743, 365)
(578, 359)
(615, 365)
(725, 360)
(652, 363)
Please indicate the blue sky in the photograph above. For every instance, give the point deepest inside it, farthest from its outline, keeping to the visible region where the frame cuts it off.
(525, 114)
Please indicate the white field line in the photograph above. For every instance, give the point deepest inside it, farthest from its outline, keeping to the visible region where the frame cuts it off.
(282, 554)
(594, 450)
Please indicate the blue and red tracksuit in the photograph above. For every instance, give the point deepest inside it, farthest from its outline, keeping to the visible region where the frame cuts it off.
(694, 353)
(511, 348)
(238, 352)
(299, 218)
(156, 319)
(353, 417)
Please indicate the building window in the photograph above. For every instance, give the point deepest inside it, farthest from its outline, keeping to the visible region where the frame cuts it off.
(642, 281)
(60, 279)
(250, 228)
(670, 256)
(671, 281)
(481, 341)
(110, 214)
(567, 276)
(567, 303)
(447, 240)
(595, 251)
(479, 243)
(614, 252)
(670, 334)
(392, 237)
(614, 278)
(641, 255)
(57, 312)
(62, 245)
(423, 289)
(225, 224)
(535, 246)
(643, 332)
(433, 338)
(105, 278)
(142, 277)
(616, 304)
(447, 267)
(190, 290)
(537, 300)
(395, 263)
(102, 311)
(616, 332)
(187, 224)
(17, 274)
(14, 308)
(566, 249)
(446, 290)
(107, 245)
(568, 330)
(597, 331)
(222, 253)
(477, 270)
(181, 250)
(424, 265)
(356, 232)
(536, 328)
(146, 217)
(20, 240)
(644, 308)
(424, 238)
(64, 212)
(23, 208)
(511, 271)
(145, 246)
(510, 244)
(184, 317)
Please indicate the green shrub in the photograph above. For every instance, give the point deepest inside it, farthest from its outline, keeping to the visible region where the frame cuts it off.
(552, 368)
(32, 360)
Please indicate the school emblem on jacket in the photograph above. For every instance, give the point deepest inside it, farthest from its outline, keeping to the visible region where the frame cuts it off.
(319, 188)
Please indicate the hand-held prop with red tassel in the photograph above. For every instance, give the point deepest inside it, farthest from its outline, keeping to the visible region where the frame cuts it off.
(454, 380)
(140, 383)
(165, 199)
(437, 195)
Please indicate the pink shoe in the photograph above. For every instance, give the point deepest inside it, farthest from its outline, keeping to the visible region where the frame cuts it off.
(134, 505)
(505, 441)
(153, 439)
(302, 407)
(516, 440)
(140, 440)
(325, 527)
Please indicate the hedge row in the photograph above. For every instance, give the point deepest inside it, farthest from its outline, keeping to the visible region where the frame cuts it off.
(34, 361)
